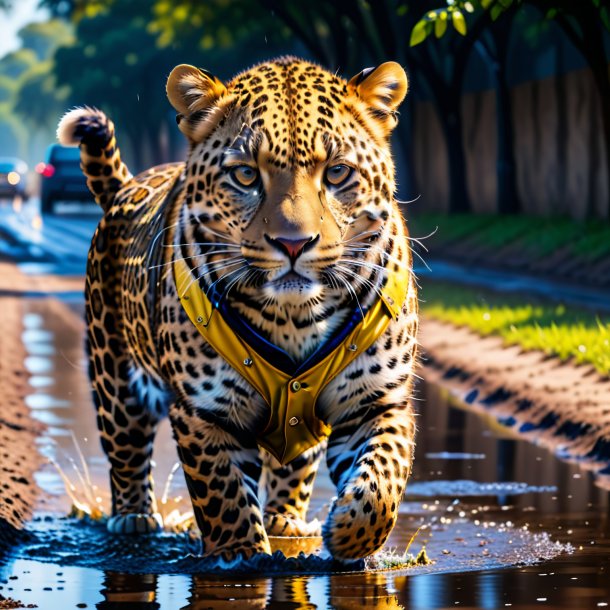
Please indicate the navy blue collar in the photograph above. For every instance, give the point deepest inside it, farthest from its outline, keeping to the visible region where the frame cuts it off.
(276, 356)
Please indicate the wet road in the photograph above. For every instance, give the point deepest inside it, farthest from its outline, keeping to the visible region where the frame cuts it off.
(51, 243)
(458, 456)
(481, 491)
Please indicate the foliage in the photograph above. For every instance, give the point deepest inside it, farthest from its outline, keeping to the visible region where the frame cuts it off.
(123, 54)
(215, 25)
(39, 100)
(561, 331)
(8, 86)
(436, 20)
(74, 9)
(15, 64)
(115, 64)
(44, 37)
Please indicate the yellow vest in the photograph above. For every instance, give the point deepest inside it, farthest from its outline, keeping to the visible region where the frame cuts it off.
(293, 425)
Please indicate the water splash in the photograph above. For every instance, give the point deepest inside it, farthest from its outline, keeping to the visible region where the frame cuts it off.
(88, 503)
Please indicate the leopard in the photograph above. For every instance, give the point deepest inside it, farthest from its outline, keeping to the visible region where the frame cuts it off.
(284, 218)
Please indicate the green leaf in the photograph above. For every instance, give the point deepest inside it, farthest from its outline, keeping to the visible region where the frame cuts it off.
(486, 3)
(420, 32)
(605, 15)
(551, 13)
(496, 11)
(440, 26)
(459, 23)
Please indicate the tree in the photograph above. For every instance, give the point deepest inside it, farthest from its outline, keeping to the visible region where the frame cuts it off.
(583, 22)
(38, 99)
(8, 86)
(120, 62)
(492, 43)
(16, 63)
(44, 37)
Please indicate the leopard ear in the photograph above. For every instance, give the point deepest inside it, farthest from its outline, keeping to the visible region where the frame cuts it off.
(191, 89)
(382, 89)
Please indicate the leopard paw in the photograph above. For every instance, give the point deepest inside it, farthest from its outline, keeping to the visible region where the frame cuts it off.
(280, 524)
(135, 523)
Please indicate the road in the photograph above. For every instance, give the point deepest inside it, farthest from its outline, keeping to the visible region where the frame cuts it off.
(49, 244)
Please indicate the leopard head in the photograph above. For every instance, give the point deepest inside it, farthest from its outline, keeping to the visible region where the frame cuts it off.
(289, 175)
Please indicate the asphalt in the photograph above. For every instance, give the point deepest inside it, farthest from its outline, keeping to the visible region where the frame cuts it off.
(516, 283)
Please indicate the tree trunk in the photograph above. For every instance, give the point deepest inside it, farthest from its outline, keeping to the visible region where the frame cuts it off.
(591, 45)
(508, 196)
(602, 80)
(404, 165)
(507, 199)
(451, 121)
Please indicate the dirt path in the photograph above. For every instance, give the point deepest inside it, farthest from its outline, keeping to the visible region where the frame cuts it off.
(19, 456)
(563, 406)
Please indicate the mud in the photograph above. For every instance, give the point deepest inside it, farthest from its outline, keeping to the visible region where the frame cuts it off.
(18, 431)
(560, 405)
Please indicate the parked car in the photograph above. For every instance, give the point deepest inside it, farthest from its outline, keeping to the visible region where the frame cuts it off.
(13, 174)
(61, 178)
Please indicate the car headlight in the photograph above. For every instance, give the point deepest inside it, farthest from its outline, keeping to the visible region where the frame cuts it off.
(13, 178)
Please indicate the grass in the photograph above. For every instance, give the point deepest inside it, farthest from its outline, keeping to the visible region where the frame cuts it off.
(558, 330)
(535, 236)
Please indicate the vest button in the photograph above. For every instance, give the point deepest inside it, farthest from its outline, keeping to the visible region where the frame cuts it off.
(248, 362)
(295, 386)
(293, 421)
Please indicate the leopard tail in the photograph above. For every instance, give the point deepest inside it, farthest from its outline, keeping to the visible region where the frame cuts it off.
(91, 130)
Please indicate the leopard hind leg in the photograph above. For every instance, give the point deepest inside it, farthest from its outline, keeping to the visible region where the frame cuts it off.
(129, 407)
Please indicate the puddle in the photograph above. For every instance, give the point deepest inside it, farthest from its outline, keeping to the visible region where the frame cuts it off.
(495, 508)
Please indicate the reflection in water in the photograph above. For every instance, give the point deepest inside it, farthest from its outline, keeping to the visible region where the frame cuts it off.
(124, 591)
(340, 592)
(209, 592)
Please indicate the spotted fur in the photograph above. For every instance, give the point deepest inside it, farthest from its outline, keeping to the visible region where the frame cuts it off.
(295, 253)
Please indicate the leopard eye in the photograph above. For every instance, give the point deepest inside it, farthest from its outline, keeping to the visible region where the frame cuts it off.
(244, 175)
(338, 174)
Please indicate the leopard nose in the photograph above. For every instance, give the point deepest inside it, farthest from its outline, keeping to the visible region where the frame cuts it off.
(292, 247)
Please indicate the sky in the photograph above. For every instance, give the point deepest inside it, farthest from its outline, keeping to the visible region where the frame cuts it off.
(22, 13)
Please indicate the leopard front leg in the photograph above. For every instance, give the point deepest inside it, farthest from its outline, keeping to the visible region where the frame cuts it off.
(288, 491)
(222, 474)
(369, 463)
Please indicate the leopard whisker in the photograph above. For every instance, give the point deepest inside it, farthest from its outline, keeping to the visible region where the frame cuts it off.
(418, 240)
(365, 280)
(375, 247)
(205, 243)
(224, 236)
(365, 264)
(225, 276)
(350, 290)
(215, 267)
(408, 200)
(233, 282)
(196, 279)
(186, 258)
(361, 235)
(156, 237)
